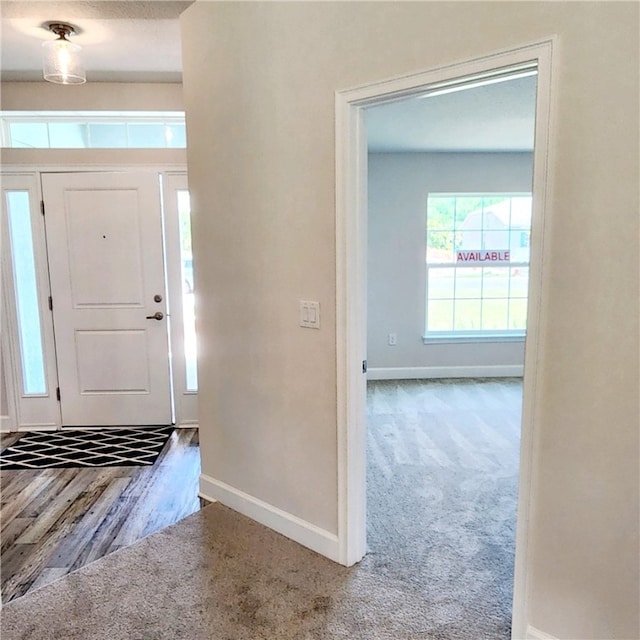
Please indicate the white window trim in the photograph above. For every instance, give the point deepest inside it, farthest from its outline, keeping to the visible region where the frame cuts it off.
(465, 336)
(7, 118)
(31, 411)
(447, 337)
(186, 401)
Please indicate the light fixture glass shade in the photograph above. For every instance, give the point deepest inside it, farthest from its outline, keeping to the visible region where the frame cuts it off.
(61, 62)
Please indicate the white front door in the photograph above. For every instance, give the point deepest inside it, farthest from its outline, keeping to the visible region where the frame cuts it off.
(104, 240)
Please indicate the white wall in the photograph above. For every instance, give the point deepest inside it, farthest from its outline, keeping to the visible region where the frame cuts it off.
(103, 96)
(398, 188)
(259, 83)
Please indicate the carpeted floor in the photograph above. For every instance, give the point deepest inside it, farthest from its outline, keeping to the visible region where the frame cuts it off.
(442, 482)
(442, 494)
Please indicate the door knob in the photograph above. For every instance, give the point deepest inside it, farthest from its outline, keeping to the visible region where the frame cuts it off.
(158, 315)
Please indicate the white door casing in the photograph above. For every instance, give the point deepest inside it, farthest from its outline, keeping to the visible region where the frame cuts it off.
(104, 239)
(186, 400)
(351, 218)
(25, 411)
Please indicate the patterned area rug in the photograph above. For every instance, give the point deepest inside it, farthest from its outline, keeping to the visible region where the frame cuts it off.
(124, 447)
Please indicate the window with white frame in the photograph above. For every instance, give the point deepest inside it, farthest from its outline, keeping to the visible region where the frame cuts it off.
(93, 129)
(28, 350)
(477, 264)
(25, 287)
(188, 306)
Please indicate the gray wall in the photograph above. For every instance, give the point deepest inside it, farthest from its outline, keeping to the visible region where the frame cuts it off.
(398, 188)
(260, 80)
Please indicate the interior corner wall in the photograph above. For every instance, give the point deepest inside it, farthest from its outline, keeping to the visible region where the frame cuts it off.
(398, 185)
(259, 81)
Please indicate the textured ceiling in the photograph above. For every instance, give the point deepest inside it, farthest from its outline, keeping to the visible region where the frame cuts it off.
(122, 41)
(497, 117)
(104, 10)
(140, 42)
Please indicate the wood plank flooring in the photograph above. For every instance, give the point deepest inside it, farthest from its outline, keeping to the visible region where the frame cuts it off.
(54, 521)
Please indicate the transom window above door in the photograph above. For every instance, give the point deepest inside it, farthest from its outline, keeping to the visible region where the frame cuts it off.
(93, 129)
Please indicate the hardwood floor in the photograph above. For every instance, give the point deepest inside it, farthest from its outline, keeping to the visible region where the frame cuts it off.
(54, 521)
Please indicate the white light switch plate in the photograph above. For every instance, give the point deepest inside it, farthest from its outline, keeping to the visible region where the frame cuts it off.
(310, 314)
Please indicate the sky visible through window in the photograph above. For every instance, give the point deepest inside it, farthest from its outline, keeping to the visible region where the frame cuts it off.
(93, 130)
(188, 309)
(26, 293)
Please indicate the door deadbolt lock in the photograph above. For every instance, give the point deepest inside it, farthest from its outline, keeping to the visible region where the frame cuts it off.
(158, 315)
(157, 298)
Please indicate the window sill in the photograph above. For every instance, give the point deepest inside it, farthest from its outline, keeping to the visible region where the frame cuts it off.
(452, 338)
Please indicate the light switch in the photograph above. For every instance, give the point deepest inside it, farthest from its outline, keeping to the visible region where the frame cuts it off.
(309, 314)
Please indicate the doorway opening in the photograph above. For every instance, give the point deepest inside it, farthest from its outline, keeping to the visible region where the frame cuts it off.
(353, 219)
(99, 299)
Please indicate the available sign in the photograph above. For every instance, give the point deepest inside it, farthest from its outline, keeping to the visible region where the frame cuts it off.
(484, 255)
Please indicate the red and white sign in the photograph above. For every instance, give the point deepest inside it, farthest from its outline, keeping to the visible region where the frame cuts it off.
(490, 256)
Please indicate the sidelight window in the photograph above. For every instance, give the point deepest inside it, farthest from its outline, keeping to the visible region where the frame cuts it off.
(188, 305)
(26, 293)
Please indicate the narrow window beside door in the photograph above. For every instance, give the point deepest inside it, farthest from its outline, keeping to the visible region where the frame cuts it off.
(188, 306)
(26, 293)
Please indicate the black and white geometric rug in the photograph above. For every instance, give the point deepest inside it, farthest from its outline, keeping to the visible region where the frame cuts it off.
(121, 447)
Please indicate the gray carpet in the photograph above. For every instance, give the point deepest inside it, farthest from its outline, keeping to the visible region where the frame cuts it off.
(442, 496)
(442, 511)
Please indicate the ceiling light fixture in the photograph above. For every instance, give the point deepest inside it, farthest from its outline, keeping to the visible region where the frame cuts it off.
(60, 58)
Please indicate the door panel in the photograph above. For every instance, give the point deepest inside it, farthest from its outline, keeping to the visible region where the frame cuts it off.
(104, 237)
(96, 277)
(111, 349)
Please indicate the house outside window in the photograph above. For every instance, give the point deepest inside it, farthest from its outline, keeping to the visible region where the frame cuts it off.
(477, 265)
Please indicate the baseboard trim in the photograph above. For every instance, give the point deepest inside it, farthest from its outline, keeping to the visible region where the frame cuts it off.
(45, 426)
(536, 634)
(301, 531)
(188, 424)
(6, 424)
(418, 373)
